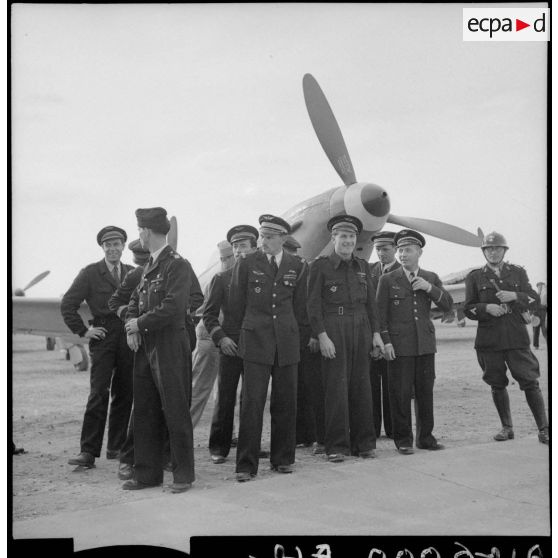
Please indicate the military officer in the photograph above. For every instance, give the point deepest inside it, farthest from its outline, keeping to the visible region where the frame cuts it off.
(267, 292)
(118, 303)
(224, 333)
(343, 317)
(404, 299)
(156, 332)
(111, 359)
(384, 244)
(496, 296)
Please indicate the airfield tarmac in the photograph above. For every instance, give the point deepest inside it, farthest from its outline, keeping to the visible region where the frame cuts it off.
(474, 487)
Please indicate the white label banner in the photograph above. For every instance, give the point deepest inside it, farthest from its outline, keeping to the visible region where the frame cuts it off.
(506, 24)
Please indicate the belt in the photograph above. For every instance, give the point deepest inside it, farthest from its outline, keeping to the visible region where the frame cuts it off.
(105, 320)
(345, 310)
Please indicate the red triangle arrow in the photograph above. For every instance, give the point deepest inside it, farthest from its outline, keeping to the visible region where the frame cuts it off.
(519, 25)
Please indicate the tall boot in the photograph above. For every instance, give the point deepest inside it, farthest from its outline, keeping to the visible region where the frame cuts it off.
(536, 404)
(502, 403)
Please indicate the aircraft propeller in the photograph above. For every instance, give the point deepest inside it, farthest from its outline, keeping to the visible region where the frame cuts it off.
(34, 281)
(172, 236)
(367, 201)
(327, 129)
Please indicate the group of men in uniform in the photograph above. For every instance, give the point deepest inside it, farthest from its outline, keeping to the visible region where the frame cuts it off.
(346, 342)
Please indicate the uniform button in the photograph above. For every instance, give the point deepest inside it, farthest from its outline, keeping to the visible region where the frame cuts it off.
(416, 317)
(274, 317)
(415, 309)
(415, 302)
(274, 294)
(273, 305)
(274, 284)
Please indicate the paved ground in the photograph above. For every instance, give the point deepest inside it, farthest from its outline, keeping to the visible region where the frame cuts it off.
(486, 489)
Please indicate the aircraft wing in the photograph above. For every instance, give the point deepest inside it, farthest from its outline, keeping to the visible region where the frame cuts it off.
(41, 316)
(457, 292)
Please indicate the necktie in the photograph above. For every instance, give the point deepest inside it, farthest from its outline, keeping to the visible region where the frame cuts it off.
(116, 275)
(412, 274)
(150, 261)
(274, 266)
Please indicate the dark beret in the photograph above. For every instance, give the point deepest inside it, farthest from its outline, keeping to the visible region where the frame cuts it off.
(383, 237)
(242, 232)
(274, 225)
(347, 223)
(408, 236)
(154, 218)
(111, 233)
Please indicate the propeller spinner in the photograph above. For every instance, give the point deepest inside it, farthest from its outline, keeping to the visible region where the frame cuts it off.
(369, 202)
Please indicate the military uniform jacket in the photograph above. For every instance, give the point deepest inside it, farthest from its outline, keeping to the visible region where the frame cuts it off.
(121, 297)
(507, 331)
(217, 306)
(268, 308)
(376, 272)
(94, 284)
(405, 314)
(163, 294)
(339, 287)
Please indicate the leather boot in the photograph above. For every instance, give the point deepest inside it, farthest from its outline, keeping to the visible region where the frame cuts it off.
(502, 403)
(536, 404)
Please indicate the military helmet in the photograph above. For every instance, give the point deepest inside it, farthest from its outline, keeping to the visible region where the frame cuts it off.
(494, 239)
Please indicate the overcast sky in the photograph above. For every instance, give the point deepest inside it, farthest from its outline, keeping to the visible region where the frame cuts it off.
(199, 109)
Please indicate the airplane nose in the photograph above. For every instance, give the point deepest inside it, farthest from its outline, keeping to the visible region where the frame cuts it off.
(375, 200)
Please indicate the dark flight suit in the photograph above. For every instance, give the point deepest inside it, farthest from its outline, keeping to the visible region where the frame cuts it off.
(230, 367)
(341, 303)
(162, 374)
(111, 358)
(405, 323)
(310, 412)
(378, 368)
(504, 341)
(268, 306)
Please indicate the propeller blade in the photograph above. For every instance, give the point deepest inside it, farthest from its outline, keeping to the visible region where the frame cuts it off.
(34, 281)
(172, 236)
(327, 129)
(437, 229)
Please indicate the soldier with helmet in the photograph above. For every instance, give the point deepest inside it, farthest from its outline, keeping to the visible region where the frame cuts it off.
(404, 298)
(498, 296)
(267, 293)
(343, 317)
(111, 359)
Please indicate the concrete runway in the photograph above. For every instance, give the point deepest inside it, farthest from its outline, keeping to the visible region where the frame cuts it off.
(498, 489)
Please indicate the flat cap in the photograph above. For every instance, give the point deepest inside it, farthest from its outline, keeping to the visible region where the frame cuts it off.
(242, 232)
(291, 243)
(225, 249)
(408, 236)
(347, 223)
(383, 237)
(154, 218)
(273, 225)
(110, 233)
